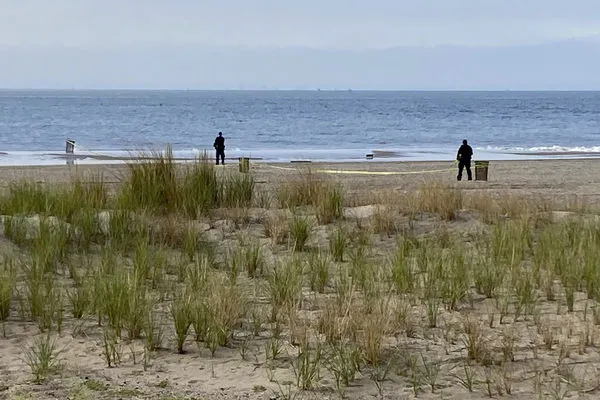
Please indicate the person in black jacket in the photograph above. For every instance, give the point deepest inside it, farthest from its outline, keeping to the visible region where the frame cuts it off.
(464, 155)
(219, 146)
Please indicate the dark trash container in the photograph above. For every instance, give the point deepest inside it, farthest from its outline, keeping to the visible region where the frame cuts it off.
(481, 170)
(244, 164)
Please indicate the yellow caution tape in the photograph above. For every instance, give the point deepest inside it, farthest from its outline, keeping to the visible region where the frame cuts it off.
(354, 172)
(80, 147)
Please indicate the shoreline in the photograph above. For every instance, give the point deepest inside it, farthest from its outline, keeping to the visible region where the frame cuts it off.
(259, 161)
(282, 156)
(72, 160)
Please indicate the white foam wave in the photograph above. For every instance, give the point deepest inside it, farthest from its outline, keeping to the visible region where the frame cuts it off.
(544, 149)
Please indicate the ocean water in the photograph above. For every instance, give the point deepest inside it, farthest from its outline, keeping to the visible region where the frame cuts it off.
(294, 125)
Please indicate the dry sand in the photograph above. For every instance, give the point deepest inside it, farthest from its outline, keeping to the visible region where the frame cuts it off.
(197, 375)
(562, 180)
(561, 176)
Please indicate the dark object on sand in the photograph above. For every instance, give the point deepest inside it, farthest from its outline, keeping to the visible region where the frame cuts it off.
(481, 170)
(70, 146)
(244, 164)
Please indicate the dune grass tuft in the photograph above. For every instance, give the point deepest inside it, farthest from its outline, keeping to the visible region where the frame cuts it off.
(7, 286)
(42, 357)
(300, 229)
(151, 185)
(330, 204)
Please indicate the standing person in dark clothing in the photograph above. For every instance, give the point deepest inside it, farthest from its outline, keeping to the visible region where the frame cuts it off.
(219, 146)
(465, 152)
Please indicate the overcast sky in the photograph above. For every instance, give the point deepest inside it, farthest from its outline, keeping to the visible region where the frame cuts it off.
(348, 24)
(229, 44)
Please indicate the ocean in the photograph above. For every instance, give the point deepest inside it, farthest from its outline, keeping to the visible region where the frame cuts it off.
(297, 125)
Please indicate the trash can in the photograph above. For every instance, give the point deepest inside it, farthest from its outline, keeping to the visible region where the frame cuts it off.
(481, 170)
(70, 146)
(244, 164)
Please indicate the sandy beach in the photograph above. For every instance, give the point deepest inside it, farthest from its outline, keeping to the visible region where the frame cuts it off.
(242, 370)
(552, 179)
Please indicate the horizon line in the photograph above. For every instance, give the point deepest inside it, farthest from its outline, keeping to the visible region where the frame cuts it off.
(114, 89)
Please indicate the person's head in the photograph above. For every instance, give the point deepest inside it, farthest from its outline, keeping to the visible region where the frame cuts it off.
(465, 141)
(220, 133)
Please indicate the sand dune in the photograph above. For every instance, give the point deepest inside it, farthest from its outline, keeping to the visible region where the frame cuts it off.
(566, 183)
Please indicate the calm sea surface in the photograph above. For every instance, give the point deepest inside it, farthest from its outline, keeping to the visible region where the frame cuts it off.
(283, 126)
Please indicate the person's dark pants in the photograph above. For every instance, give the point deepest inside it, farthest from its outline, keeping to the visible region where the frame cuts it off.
(464, 165)
(221, 154)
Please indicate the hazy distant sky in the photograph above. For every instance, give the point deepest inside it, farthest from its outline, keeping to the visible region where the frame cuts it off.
(278, 44)
(348, 24)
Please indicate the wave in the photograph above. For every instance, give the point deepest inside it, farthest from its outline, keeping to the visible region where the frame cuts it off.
(552, 149)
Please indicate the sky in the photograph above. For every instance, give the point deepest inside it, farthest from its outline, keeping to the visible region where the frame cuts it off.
(345, 24)
(31, 28)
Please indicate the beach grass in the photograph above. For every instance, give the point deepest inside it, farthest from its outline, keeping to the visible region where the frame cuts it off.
(338, 298)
